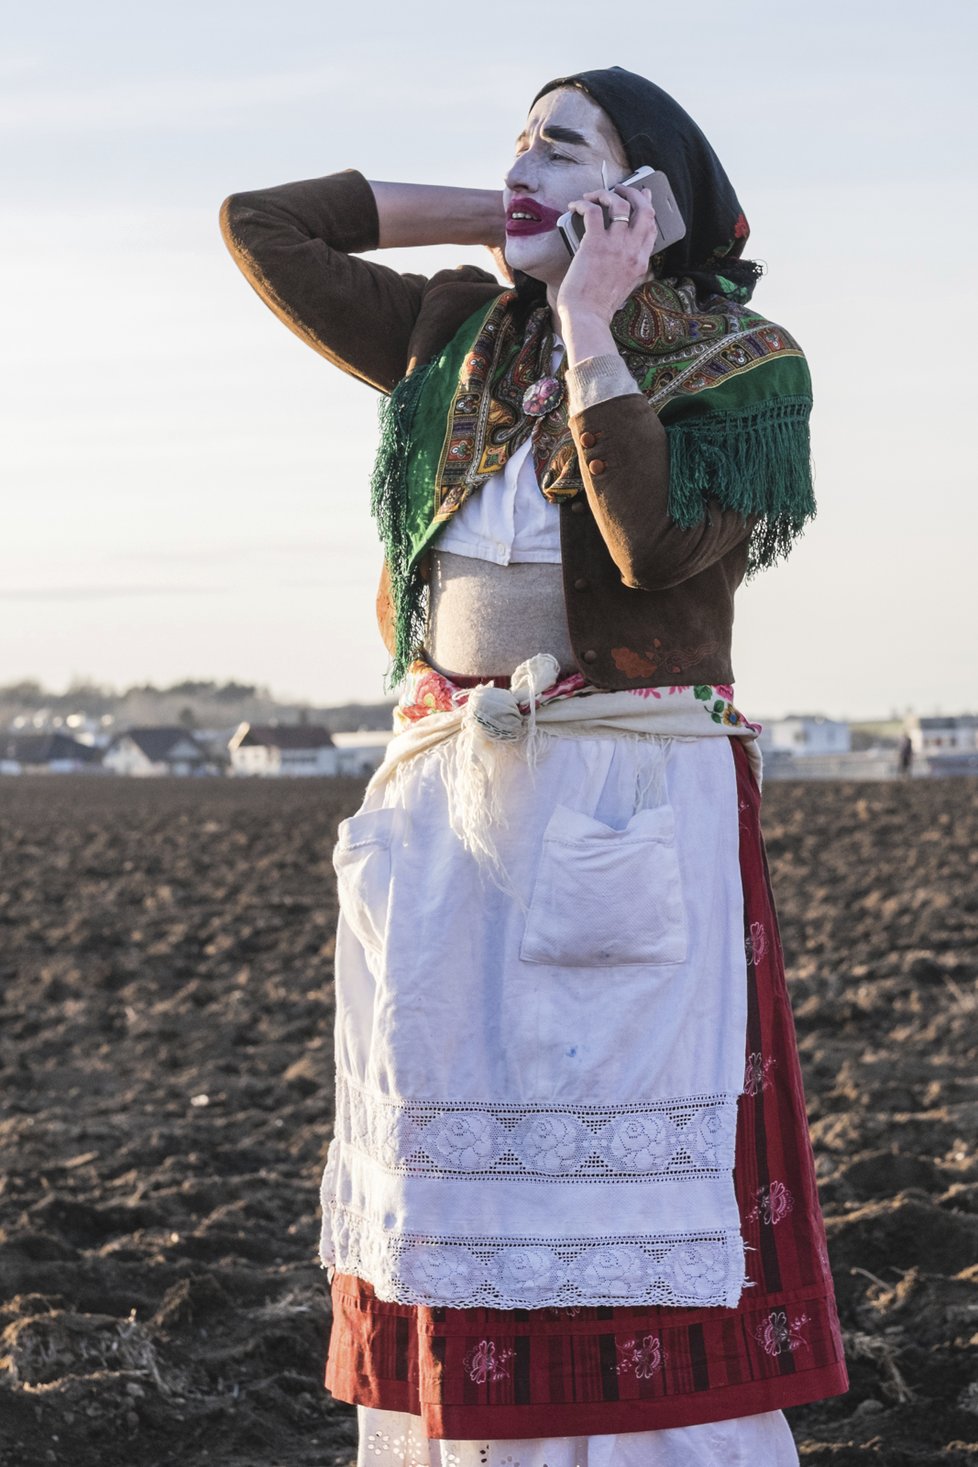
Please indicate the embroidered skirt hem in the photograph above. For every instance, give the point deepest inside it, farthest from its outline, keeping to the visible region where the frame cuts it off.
(641, 1412)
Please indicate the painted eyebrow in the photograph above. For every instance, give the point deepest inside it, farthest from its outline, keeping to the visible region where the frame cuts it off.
(564, 135)
(558, 134)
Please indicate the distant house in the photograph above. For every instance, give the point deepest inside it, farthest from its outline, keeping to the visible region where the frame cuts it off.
(955, 734)
(360, 753)
(49, 753)
(151, 751)
(806, 734)
(274, 750)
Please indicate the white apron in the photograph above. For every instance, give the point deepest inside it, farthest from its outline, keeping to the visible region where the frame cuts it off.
(537, 1078)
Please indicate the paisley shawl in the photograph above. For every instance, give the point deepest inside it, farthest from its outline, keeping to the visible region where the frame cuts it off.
(731, 389)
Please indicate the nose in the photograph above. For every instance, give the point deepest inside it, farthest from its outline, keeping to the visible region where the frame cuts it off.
(521, 174)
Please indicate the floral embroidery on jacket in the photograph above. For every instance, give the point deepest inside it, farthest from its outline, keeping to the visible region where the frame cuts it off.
(639, 1358)
(655, 658)
(484, 1362)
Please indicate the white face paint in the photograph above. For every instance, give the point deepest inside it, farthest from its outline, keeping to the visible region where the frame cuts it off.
(558, 158)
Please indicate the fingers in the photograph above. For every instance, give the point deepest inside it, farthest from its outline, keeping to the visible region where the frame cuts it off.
(619, 201)
(588, 206)
(614, 205)
(591, 212)
(639, 200)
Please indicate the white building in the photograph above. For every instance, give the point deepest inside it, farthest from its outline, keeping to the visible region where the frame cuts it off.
(806, 734)
(944, 735)
(272, 750)
(360, 753)
(152, 751)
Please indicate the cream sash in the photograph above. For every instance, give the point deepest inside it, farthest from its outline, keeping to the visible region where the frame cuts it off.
(490, 724)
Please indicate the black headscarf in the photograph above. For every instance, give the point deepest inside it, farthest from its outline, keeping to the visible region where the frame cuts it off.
(656, 131)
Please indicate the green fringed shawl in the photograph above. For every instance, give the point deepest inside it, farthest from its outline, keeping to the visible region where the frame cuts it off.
(731, 389)
(756, 461)
(401, 517)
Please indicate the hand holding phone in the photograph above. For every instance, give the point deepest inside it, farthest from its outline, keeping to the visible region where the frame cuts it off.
(669, 222)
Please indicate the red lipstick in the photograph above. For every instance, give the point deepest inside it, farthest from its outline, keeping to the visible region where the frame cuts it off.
(526, 216)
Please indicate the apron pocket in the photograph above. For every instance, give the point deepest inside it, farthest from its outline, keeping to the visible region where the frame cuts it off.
(605, 897)
(362, 861)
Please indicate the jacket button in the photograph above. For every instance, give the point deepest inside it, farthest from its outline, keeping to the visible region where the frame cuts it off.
(590, 655)
(596, 465)
(578, 505)
(582, 583)
(588, 440)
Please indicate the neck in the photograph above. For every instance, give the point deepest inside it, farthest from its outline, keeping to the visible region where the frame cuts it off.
(552, 291)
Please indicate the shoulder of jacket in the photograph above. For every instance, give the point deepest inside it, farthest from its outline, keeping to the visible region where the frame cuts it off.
(462, 275)
(450, 297)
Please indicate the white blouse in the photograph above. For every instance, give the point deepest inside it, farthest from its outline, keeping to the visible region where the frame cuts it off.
(508, 519)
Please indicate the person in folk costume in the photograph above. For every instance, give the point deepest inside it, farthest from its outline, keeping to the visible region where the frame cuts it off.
(569, 1211)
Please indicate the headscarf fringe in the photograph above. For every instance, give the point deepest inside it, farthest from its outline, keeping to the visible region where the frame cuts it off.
(756, 461)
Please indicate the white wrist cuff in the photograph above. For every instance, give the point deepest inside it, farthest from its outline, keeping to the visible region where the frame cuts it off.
(596, 379)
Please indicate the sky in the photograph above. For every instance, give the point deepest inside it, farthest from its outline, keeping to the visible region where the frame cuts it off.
(185, 483)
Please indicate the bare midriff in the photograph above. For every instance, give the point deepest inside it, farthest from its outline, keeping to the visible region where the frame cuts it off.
(485, 619)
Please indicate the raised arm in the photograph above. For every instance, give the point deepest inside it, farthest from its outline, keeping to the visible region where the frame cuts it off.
(297, 244)
(622, 447)
(428, 214)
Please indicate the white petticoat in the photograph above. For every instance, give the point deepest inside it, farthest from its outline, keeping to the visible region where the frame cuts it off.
(395, 1439)
(536, 1089)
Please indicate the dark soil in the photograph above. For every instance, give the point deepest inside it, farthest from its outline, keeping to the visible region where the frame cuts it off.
(165, 1041)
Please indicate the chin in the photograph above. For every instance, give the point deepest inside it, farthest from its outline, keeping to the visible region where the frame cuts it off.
(542, 257)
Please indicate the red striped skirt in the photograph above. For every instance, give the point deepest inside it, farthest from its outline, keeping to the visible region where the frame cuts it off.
(502, 1373)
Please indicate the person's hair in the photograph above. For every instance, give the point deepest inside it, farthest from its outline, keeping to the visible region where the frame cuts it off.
(530, 293)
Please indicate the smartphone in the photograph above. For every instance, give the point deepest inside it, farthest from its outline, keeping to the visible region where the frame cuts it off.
(669, 221)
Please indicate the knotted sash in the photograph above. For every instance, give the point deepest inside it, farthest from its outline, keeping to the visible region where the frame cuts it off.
(489, 723)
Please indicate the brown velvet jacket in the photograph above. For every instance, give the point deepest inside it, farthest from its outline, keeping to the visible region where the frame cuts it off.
(648, 604)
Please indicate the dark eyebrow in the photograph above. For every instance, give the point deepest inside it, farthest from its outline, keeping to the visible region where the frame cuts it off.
(563, 135)
(558, 134)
